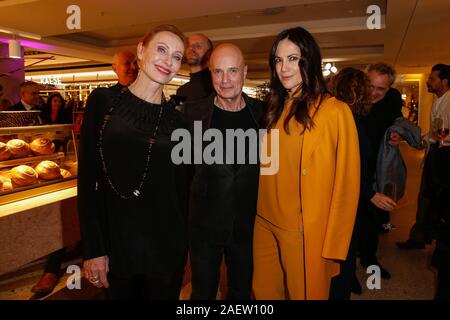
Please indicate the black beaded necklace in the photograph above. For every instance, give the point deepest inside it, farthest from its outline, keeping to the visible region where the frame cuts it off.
(151, 141)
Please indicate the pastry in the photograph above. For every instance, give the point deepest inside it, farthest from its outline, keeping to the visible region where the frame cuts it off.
(72, 166)
(65, 174)
(18, 148)
(5, 184)
(5, 154)
(23, 175)
(42, 146)
(48, 170)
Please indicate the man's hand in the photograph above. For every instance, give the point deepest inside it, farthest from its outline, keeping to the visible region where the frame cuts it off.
(383, 202)
(394, 139)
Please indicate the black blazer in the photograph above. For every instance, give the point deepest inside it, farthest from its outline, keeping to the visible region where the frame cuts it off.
(222, 198)
(20, 107)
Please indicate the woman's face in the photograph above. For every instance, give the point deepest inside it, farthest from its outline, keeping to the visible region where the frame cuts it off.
(287, 57)
(161, 59)
(56, 103)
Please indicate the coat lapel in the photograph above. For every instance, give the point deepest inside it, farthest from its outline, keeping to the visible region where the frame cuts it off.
(311, 137)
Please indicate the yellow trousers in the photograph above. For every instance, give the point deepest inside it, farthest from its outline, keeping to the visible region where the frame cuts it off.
(278, 258)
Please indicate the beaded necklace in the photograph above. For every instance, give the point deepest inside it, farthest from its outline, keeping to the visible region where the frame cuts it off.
(151, 141)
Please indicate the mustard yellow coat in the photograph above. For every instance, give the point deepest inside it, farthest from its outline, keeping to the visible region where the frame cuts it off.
(330, 179)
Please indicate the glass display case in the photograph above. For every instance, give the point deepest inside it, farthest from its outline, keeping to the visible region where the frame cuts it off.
(36, 160)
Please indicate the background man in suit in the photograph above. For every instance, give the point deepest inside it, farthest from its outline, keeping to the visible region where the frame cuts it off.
(223, 195)
(29, 97)
(125, 66)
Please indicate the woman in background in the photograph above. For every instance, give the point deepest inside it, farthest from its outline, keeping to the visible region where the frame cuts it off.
(54, 112)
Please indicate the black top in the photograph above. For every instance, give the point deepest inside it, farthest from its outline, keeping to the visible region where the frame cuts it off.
(223, 198)
(143, 235)
(380, 118)
(365, 149)
(199, 87)
(242, 119)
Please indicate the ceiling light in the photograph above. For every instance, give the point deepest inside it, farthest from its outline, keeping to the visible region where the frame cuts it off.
(328, 66)
(333, 69)
(15, 51)
(326, 73)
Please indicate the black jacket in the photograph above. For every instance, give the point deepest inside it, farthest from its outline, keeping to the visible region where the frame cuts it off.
(223, 198)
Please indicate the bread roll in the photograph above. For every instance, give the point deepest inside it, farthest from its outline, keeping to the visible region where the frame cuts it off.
(5, 154)
(72, 166)
(42, 146)
(65, 174)
(18, 148)
(24, 175)
(48, 170)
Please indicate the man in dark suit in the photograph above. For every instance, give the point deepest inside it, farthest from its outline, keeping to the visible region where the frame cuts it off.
(125, 66)
(29, 97)
(224, 193)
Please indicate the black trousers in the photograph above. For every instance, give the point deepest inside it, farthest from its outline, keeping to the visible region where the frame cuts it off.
(421, 230)
(144, 287)
(54, 261)
(341, 285)
(206, 259)
(368, 235)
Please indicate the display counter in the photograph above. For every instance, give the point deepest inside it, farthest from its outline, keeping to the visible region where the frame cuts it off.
(38, 188)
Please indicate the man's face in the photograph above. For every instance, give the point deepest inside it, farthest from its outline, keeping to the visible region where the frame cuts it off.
(379, 85)
(126, 68)
(30, 95)
(434, 83)
(228, 73)
(197, 48)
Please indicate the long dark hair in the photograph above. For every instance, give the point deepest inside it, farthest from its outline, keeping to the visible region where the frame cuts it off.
(313, 89)
(46, 110)
(350, 85)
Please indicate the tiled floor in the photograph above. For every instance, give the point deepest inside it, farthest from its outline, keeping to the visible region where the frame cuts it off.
(412, 276)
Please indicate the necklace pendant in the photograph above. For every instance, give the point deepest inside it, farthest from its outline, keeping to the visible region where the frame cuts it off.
(136, 193)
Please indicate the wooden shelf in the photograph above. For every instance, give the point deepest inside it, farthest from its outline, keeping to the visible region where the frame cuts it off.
(36, 129)
(20, 161)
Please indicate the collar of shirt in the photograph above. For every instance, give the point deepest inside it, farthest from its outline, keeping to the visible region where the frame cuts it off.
(26, 105)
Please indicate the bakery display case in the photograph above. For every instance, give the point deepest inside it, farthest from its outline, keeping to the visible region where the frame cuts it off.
(38, 189)
(36, 160)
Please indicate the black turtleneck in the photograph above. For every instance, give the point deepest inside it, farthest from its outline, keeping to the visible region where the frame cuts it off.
(147, 234)
(199, 87)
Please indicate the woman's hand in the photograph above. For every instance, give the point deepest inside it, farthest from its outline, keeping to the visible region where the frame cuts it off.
(383, 202)
(95, 270)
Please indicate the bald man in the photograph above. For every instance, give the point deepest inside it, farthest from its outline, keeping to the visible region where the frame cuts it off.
(125, 66)
(223, 194)
(197, 55)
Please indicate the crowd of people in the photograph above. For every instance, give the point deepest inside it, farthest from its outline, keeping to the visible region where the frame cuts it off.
(293, 234)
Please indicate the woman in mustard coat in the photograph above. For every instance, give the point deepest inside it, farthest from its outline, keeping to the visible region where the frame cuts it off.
(306, 210)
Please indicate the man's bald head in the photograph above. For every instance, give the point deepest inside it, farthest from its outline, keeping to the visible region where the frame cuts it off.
(125, 66)
(230, 50)
(228, 71)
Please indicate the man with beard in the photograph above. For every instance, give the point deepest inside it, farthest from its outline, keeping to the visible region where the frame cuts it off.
(197, 57)
(438, 84)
